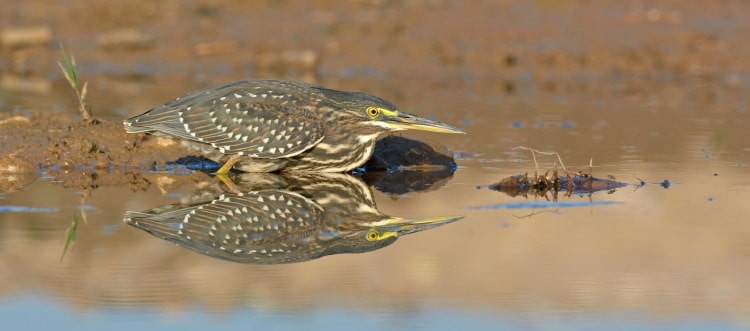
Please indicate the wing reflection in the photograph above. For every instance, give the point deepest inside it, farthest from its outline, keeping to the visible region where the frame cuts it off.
(270, 219)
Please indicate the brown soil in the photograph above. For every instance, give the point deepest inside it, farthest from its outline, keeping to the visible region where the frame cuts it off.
(57, 143)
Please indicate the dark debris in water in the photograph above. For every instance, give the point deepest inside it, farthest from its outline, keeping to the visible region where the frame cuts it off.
(579, 184)
(395, 153)
(197, 163)
(400, 165)
(554, 181)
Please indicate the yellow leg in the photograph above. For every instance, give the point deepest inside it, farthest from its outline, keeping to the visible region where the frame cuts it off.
(228, 165)
(231, 186)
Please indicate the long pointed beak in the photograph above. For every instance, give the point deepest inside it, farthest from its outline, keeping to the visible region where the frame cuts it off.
(397, 226)
(406, 121)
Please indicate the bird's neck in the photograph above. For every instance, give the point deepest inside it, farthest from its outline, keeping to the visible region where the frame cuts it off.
(336, 154)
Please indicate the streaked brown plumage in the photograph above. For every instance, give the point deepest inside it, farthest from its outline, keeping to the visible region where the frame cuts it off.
(270, 125)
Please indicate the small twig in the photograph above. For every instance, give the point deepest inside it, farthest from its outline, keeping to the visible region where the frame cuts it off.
(533, 151)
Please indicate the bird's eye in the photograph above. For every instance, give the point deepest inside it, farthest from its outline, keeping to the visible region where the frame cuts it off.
(372, 235)
(373, 111)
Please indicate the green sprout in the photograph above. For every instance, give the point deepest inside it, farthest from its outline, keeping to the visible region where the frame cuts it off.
(70, 71)
(71, 233)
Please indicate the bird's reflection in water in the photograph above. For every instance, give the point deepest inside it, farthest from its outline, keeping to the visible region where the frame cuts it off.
(270, 219)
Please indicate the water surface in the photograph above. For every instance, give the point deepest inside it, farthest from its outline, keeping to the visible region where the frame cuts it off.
(644, 256)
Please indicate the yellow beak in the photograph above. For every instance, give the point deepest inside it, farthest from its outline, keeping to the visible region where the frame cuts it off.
(406, 121)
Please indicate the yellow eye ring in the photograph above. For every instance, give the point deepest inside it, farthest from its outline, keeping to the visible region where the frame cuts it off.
(373, 111)
(372, 235)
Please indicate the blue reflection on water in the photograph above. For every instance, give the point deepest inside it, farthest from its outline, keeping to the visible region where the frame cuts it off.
(544, 204)
(25, 209)
(40, 313)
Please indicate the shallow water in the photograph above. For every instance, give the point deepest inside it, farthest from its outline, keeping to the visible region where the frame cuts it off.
(643, 256)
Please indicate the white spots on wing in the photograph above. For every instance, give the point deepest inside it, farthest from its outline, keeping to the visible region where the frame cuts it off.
(265, 140)
(264, 95)
(281, 149)
(252, 95)
(237, 95)
(272, 150)
(222, 98)
(260, 149)
(289, 145)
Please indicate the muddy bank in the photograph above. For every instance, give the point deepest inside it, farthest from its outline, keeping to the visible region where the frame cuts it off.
(60, 144)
